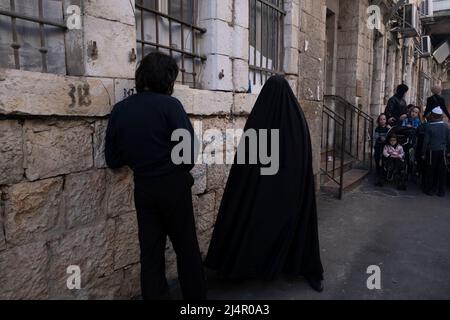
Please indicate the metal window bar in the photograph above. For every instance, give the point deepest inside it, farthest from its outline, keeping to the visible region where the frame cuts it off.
(193, 31)
(271, 47)
(41, 20)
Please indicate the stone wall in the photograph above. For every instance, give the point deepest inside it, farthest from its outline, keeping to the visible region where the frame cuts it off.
(311, 69)
(61, 206)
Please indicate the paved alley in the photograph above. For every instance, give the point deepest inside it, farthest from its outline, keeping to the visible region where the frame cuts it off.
(407, 234)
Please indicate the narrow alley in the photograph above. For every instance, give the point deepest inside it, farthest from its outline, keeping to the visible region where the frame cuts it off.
(405, 233)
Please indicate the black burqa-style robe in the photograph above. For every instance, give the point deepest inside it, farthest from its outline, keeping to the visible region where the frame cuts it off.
(267, 225)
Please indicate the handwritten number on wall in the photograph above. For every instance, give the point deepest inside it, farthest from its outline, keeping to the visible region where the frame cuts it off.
(127, 93)
(80, 95)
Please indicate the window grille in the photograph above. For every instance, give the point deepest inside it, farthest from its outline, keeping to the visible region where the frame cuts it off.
(32, 35)
(266, 39)
(169, 26)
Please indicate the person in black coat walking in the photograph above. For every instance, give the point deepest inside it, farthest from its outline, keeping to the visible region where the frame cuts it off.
(436, 100)
(267, 225)
(435, 149)
(397, 109)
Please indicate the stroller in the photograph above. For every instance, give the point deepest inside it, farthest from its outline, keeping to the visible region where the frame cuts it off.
(407, 138)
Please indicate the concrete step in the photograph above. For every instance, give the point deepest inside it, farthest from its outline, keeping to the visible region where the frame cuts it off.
(323, 155)
(335, 168)
(352, 179)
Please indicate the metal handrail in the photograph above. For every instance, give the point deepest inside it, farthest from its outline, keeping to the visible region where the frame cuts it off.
(333, 114)
(345, 120)
(364, 114)
(356, 147)
(330, 115)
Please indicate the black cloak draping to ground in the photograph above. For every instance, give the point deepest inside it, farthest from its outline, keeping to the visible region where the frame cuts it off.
(267, 225)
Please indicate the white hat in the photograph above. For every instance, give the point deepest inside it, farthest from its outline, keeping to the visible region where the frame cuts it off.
(438, 111)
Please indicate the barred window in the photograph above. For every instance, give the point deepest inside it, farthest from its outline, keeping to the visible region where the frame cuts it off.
(169, 26)
(266, 40)
(32, 35)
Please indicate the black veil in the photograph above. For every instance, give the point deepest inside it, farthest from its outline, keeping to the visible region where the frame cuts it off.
(267, 225)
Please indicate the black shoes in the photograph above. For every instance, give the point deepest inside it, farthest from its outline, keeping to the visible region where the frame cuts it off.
(315, 283)
(379, 183)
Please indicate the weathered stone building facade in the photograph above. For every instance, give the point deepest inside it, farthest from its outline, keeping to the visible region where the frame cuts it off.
(61, 206)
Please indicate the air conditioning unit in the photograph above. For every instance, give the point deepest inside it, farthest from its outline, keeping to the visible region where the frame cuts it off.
(426, 8)
(442, 52)
(410, 23)
(163, 6)
(426, 46)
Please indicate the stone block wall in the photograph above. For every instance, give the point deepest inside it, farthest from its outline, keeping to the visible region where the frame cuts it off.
(311, 69)
(61, 206)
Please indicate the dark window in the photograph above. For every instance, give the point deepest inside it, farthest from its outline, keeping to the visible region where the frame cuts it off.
(32, 35)
(169, 26)
(266, 39)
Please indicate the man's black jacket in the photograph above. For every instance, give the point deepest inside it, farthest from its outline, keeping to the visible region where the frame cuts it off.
(434, 102)
(139, 134)
(396, 107)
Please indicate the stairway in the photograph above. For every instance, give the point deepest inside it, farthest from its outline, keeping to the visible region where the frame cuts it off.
(346, 142)
(352, 177)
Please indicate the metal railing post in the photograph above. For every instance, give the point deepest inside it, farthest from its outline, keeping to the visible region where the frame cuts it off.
(341, 187)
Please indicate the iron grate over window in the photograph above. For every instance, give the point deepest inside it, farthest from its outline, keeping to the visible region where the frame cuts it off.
(32, 35)
(169, 26)
(266, 39)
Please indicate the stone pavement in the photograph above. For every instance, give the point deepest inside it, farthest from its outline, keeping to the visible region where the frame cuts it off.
(407, 234)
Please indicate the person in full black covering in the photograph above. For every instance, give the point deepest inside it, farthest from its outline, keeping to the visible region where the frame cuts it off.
(267, 225)
(139, 136)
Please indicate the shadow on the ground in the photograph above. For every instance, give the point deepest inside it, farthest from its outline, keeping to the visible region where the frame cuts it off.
(405, 233)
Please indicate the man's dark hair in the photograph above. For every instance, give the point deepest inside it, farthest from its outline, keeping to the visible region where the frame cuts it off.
(157, 73)
(402, 89)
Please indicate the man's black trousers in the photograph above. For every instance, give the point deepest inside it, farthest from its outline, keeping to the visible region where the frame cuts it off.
(164, 208)
(435, 172)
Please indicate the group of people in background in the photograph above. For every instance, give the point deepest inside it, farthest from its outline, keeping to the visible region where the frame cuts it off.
(403, 128)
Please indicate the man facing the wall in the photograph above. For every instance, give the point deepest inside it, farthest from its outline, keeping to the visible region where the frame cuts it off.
(139, 136)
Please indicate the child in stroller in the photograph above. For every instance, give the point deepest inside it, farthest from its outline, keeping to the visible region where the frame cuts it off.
(407, 137)
(394, 162)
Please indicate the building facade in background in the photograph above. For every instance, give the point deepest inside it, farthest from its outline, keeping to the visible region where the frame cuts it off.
(65, 63)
